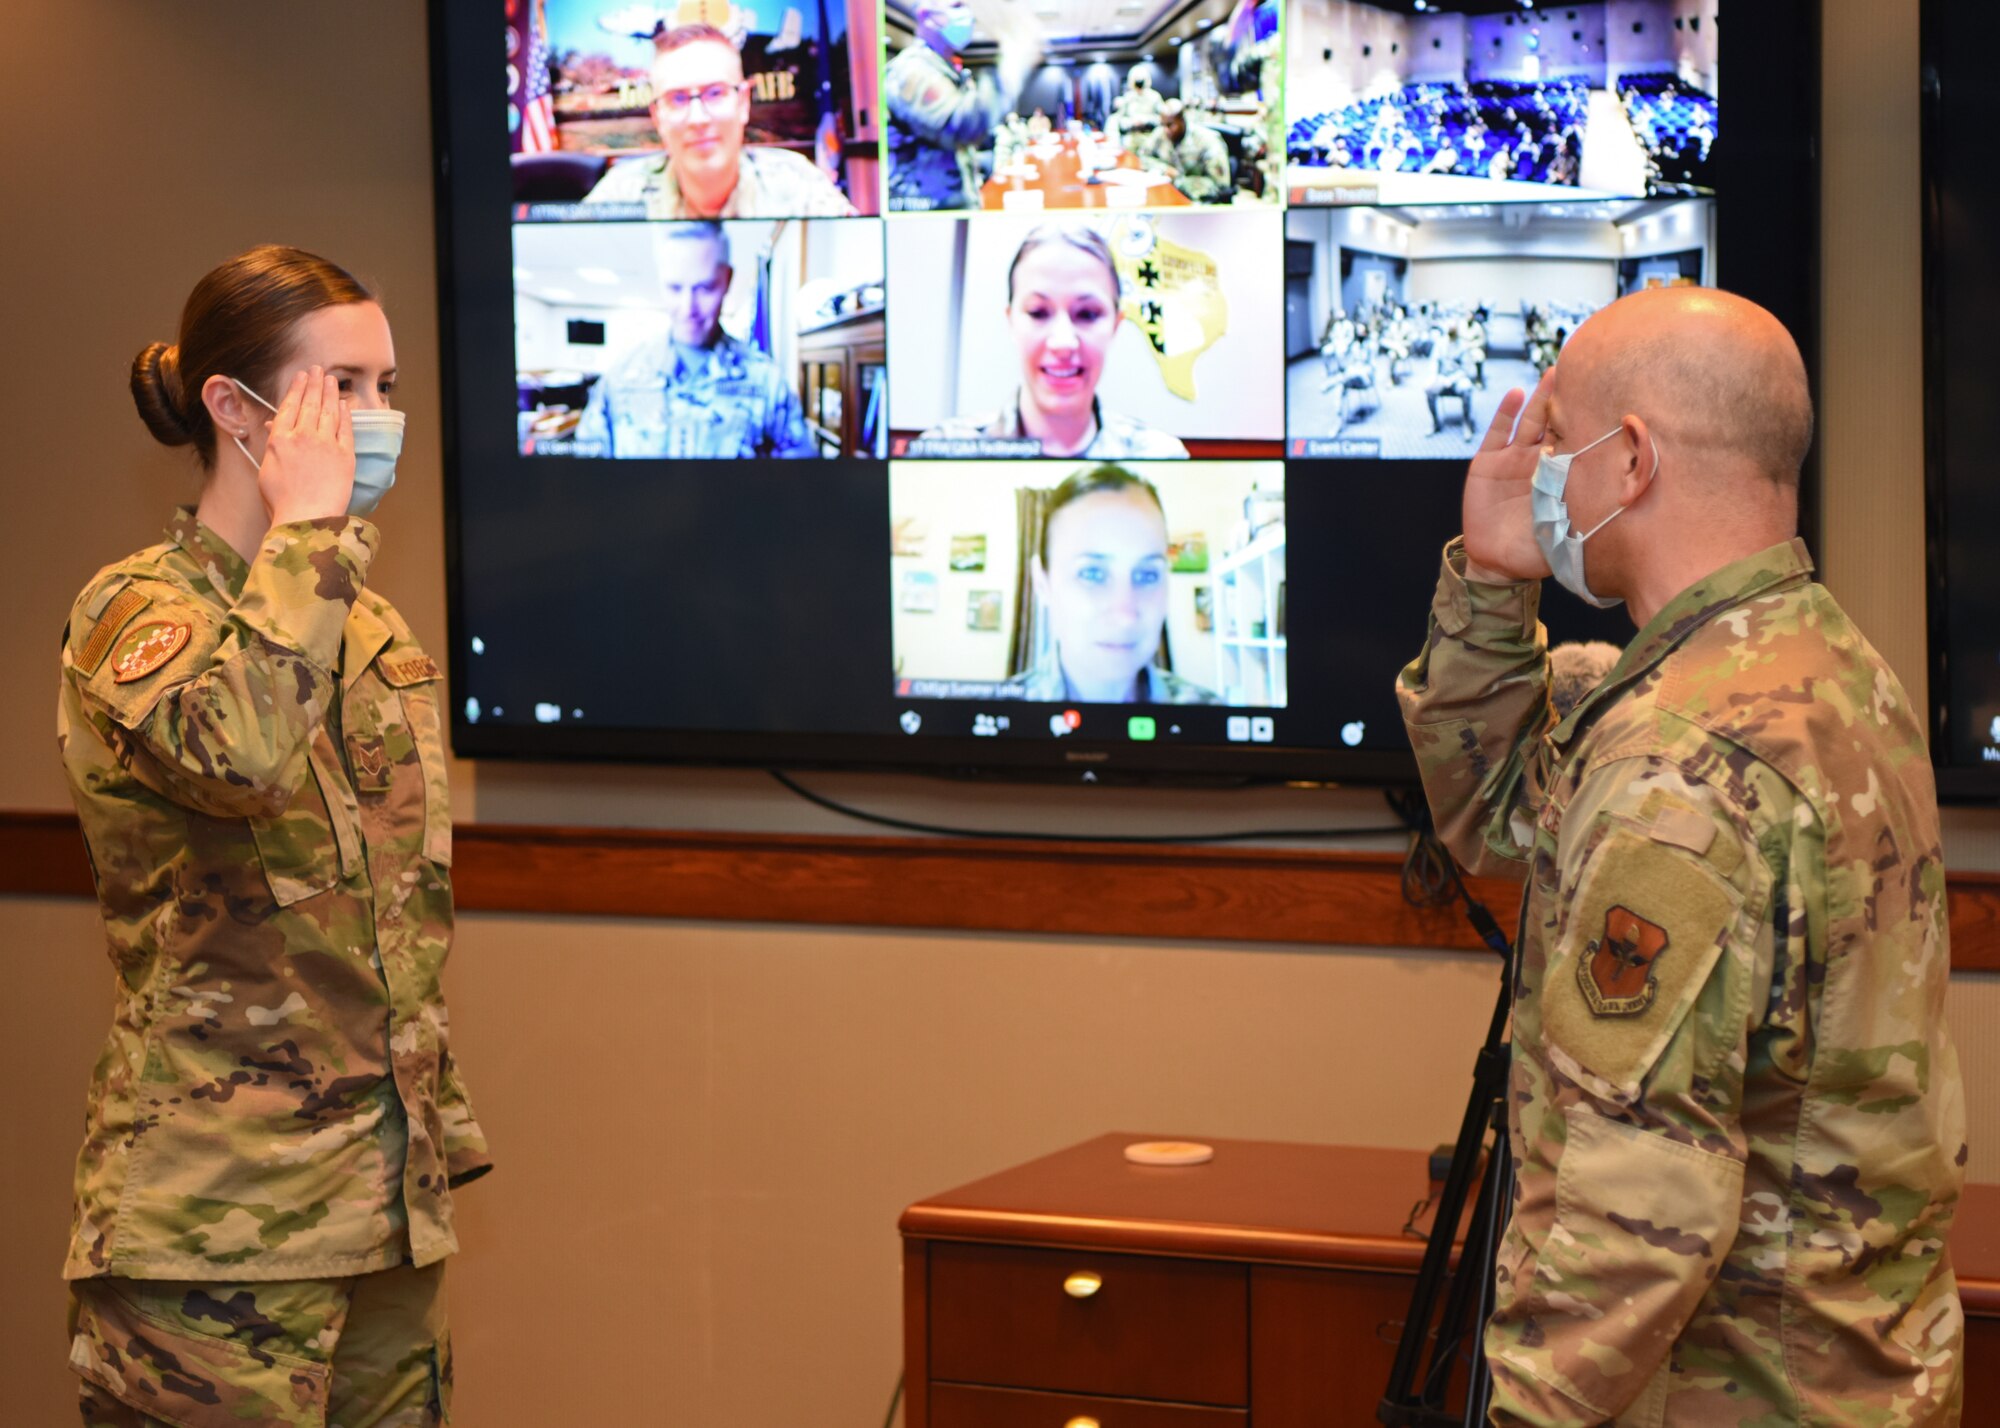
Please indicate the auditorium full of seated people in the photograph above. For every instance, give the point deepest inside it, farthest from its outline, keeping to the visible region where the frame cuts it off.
(1488, 129)
(1676, 124)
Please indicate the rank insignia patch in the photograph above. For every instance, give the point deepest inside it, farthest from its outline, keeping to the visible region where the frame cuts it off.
(146, 648)
(1616, 973)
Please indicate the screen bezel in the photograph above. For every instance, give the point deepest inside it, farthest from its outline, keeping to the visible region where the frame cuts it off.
(1767, 235)
(1956, 780)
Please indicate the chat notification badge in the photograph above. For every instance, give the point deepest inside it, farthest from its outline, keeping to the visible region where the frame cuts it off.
(1065, 723)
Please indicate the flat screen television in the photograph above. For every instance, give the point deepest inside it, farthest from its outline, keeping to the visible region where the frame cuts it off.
(1264, 268)
(1962, 412)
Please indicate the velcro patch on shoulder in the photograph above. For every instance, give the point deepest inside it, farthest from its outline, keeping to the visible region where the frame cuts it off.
(104, 593)
(417, 669)
(116, 617)
(1645, 930)
(147, 648)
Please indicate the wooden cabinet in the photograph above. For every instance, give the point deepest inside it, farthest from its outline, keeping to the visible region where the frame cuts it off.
(1265, 1289)
(842, 376)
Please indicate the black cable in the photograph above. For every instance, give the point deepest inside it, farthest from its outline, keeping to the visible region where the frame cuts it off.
(909, 826)
(894, 1399)
(1430, 873)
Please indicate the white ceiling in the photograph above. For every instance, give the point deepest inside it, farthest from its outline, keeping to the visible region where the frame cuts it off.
(1067, 19)
(1070, 24)
(599, 264)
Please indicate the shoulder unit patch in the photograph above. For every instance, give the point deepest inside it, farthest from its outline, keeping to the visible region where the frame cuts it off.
(147, 648)
(1617, 974)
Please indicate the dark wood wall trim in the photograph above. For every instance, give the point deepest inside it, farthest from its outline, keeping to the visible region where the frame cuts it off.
(1328, 898)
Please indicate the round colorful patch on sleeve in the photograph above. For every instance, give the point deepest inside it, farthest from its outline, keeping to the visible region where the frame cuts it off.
(145, 648)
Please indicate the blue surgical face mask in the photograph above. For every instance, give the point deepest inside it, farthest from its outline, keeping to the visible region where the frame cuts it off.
(957, 31)
(1561, 546)
(378, 441)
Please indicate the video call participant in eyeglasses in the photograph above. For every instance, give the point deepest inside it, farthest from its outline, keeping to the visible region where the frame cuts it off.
(697, 392)
(701, 106)
(1062, 310)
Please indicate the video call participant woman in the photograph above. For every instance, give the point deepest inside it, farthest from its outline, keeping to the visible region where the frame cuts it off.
(1102, 579)
(1062, 310)
(253, 740)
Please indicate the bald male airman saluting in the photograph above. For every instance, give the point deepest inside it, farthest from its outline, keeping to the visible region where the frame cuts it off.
(1734, 1104)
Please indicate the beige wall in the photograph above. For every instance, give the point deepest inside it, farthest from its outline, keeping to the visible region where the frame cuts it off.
(706, 1131)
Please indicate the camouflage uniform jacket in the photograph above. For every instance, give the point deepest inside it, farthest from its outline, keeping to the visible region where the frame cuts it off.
(940, 114)
(1116, 438)
(730, 401)
(1199, 163)
(1735, 1107)
(770, 183)
(257, 758)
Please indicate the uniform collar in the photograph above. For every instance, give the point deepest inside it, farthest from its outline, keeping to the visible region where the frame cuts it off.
(1776, 568)
(217, 558)
(742, 198)
(1010, 420)
(365, 635)
(722, 357)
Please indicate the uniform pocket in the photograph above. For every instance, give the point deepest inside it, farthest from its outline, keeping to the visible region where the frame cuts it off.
(420, 710)
(300, 849)
(1642, 1226)
(189, 1380)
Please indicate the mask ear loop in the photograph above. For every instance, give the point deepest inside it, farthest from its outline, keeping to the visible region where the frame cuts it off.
(237, 436)
(1651, 476)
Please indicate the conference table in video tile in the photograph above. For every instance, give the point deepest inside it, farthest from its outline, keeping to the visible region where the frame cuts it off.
(1054, 169)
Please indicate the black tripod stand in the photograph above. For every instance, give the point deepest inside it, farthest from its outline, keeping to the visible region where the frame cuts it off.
(1467, 1294)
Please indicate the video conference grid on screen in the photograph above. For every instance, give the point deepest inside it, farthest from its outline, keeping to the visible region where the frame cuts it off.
(1084, 281)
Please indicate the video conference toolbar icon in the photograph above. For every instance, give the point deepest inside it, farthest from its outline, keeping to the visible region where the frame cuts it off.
(1262, 729)
(1238, 728)
(911, 721)
(1065, 723)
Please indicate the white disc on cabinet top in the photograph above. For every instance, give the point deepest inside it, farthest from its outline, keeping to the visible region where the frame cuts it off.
(1169, 1152)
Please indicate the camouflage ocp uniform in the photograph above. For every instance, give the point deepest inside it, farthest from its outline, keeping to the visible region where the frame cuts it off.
(940, 115)
(726, 400)
(1114, 437)
(1735, 1107)
(256, 753)
(257, 758)
(770, 183)
(1198, 164)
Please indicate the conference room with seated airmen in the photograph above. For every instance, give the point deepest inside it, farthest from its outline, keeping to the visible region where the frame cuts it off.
(1081, 104)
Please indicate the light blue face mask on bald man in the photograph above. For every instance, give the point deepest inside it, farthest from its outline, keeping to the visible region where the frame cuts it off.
(378, 441)
(1561, 546)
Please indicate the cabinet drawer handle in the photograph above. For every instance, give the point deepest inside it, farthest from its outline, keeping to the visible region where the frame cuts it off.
(1082, 1422)
(1082, 1285)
